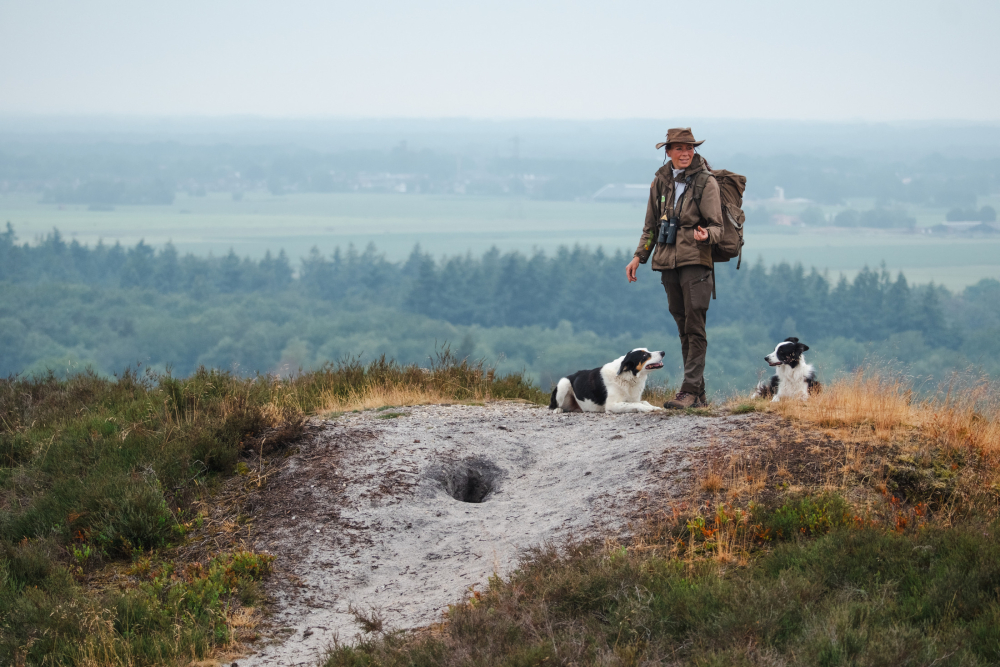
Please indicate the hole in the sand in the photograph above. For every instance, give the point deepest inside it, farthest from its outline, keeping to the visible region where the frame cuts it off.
(470, 487)
(471, 481)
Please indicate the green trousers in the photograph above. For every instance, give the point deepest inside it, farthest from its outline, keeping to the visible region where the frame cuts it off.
(689, 293)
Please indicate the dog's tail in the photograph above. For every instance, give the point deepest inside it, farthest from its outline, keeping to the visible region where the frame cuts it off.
(552, 403)
(766, 388)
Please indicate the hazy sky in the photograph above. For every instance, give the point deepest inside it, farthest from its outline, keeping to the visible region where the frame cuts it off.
(872, 60)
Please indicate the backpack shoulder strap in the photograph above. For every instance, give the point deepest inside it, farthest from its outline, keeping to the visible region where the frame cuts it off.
(700, 181)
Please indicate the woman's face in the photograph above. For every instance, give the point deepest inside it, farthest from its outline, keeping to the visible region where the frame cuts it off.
(681, 155)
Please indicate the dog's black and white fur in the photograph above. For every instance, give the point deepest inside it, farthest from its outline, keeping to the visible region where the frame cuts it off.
(614, 387)
(794, 379)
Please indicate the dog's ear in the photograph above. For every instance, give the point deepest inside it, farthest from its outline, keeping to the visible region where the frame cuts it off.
(803, 347)
(793, 339)
(632, 362)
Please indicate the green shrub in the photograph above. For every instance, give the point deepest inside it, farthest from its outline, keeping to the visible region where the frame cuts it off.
(809, 516)
(178, 611)
(747, 407)
(25, 564)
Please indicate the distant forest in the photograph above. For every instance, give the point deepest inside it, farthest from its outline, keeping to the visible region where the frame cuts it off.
(584, 287)
(580, 288)
(110, 174)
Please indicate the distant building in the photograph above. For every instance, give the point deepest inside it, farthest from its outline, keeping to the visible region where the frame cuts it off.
(783, 220)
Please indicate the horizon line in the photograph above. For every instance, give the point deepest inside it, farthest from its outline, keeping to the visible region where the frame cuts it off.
(90, 116)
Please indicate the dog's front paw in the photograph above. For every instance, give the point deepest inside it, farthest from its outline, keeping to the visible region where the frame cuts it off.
(557, 411)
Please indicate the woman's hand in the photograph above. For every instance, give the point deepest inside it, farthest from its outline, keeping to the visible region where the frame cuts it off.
(631, 269)
(700, 233)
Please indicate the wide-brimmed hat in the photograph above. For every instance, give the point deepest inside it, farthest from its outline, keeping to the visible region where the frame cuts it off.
(679, 135)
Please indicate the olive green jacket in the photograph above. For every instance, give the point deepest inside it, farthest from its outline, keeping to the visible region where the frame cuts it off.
(707, 213)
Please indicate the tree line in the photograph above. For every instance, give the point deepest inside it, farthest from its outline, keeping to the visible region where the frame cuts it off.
(584, 287)
(141, 266)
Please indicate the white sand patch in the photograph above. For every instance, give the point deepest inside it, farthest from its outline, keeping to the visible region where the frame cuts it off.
(363, 516)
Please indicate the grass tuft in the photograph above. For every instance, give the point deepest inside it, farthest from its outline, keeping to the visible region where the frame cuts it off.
(881, 401)
(351, 386)
(370, 622)
(747, 407)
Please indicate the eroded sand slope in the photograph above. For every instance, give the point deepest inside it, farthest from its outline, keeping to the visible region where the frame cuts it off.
(365, 515)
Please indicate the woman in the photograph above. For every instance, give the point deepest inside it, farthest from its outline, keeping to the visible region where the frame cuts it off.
(685, 263)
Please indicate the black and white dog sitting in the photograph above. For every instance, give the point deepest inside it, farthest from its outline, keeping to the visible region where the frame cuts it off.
(614, 387)
(795, 378)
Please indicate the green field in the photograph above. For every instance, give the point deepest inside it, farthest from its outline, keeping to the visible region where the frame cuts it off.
(456, 225)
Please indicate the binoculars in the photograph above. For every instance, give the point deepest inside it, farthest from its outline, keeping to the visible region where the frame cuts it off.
(668, 230)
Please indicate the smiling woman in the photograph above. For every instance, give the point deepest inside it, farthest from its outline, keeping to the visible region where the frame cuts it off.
(678, 234)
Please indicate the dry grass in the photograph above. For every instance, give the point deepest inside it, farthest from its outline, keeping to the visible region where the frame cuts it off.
(712, 482)
(889, 450)
(869, 438)
(872, 406)
(968, 417)
(880, 402)
(733, 535)
(395, 395)
(385, 384)
(746, 478)
(379, 396)
(658, 395)
(388, 395)
(243, 623)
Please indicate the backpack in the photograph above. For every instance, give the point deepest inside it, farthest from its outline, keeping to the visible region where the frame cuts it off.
(731, 187)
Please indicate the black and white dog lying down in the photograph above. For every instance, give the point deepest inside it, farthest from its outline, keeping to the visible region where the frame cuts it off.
(794, 379)
(614, 387)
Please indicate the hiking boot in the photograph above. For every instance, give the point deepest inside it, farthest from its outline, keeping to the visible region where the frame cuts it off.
(682, 401)
(702, 401)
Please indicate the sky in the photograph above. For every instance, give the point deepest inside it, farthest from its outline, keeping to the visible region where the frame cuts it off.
(872, 61)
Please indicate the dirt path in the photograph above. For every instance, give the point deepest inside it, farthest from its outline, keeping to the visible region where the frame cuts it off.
(381, 515)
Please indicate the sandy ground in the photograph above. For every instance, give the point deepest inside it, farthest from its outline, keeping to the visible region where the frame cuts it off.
(379, 515)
